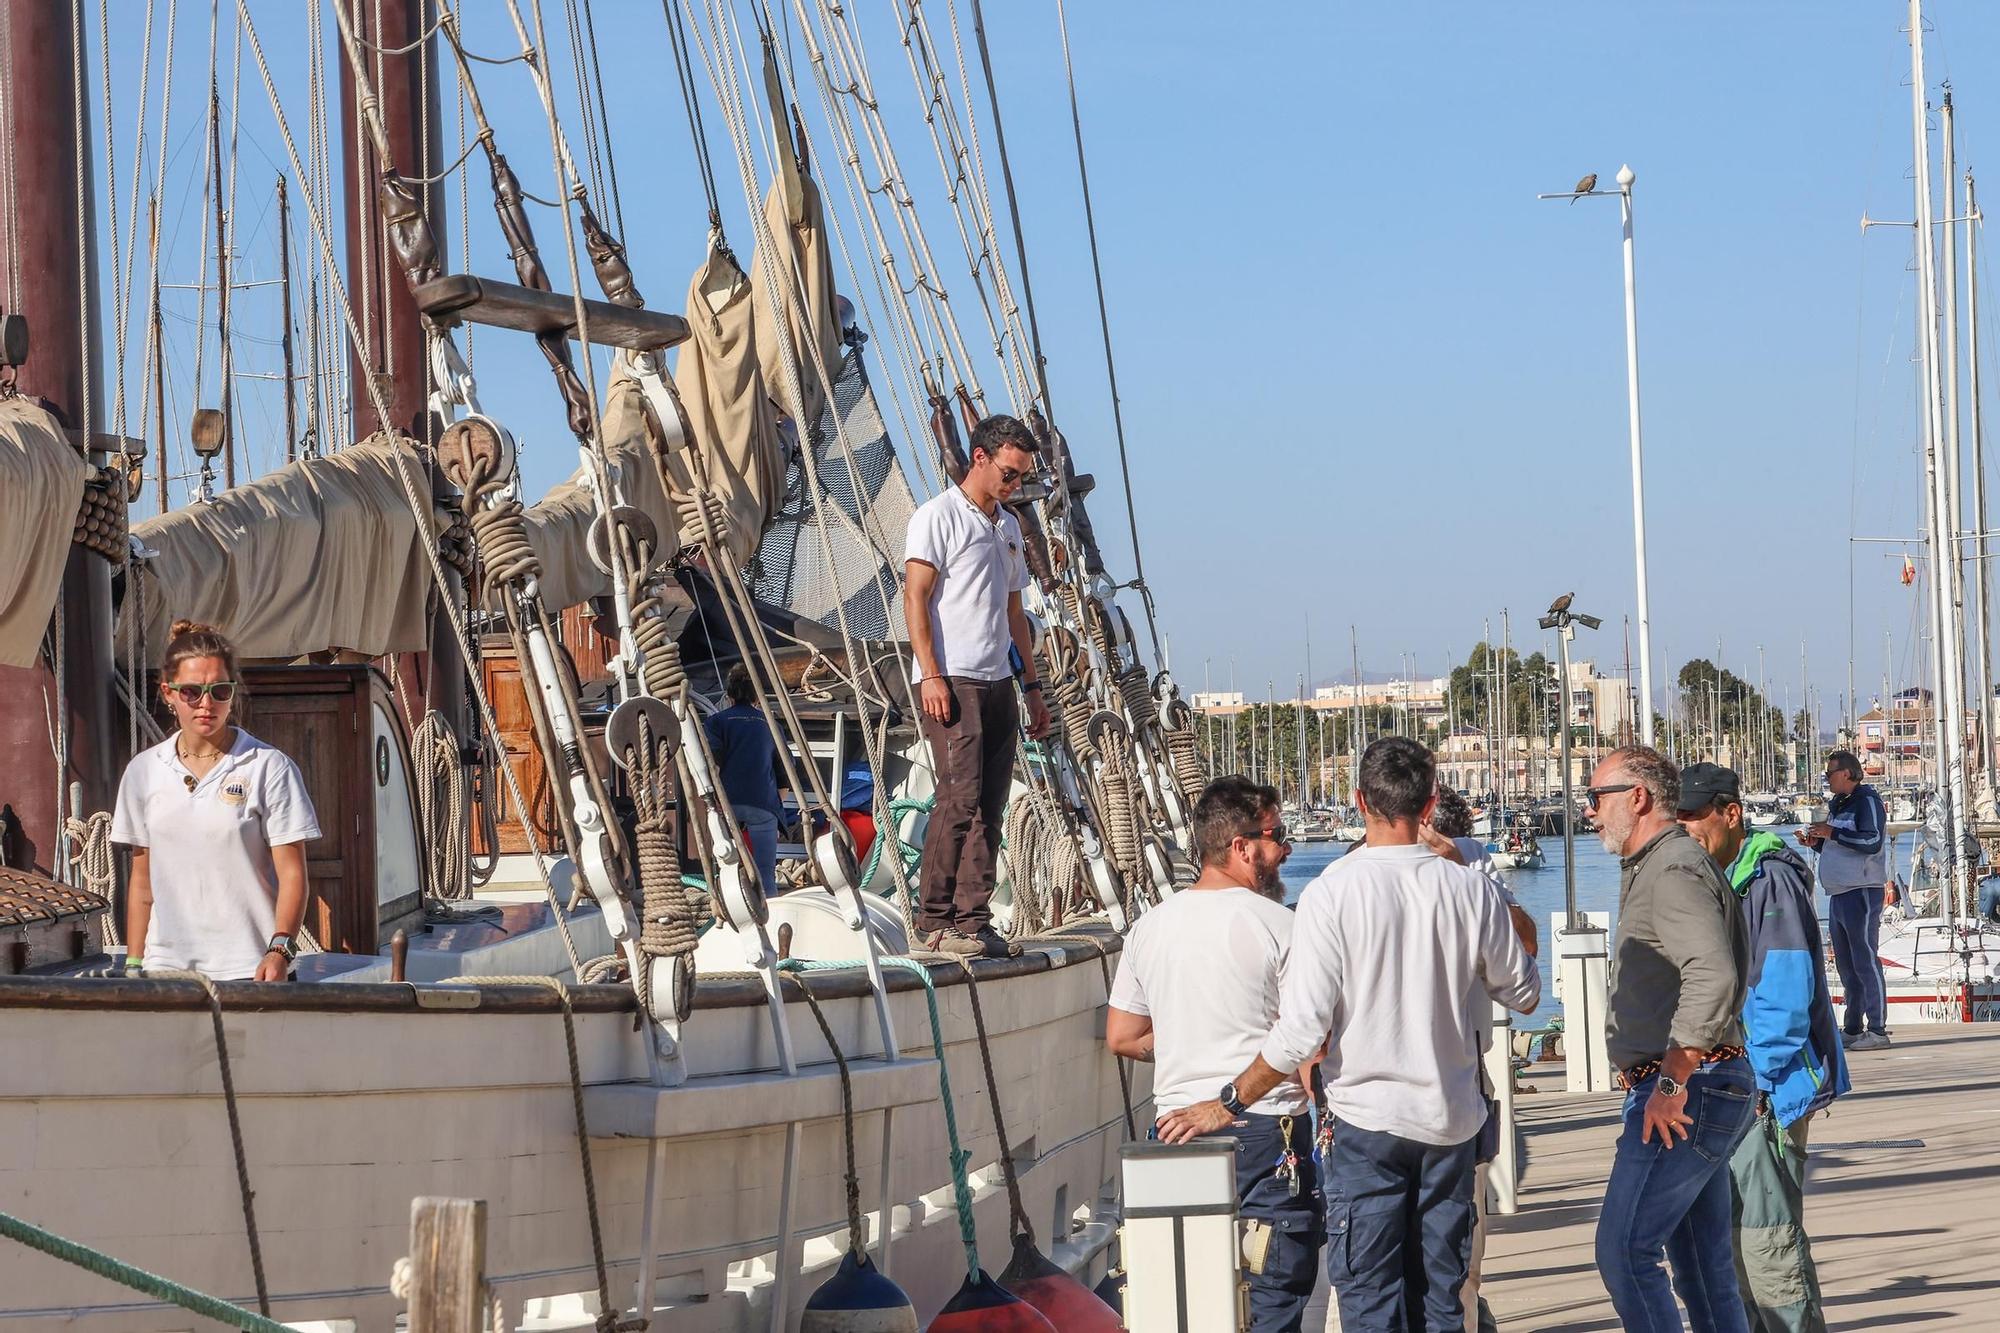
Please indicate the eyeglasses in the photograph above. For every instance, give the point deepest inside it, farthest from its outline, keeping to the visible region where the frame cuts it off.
(1592, 795)
(1277, 835)
(1010, 475)
(222, 691)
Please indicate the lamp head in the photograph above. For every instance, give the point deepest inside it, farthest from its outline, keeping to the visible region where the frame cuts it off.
(1589, 622)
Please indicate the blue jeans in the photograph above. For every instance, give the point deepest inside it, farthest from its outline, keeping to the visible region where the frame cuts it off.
(1676, 1202)
(1399, 1217)
(762, 826)
(1854, 920)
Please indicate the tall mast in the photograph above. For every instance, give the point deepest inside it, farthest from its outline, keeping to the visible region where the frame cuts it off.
(1953, 441)
(55, 289)
(1948, 709)
(228, 371)
(157, 332)
(285, 329)
(1982, 607)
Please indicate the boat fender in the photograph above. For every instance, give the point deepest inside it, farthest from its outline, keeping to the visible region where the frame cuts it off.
(858, 1299)
(1063, 1301)
(984, 1306)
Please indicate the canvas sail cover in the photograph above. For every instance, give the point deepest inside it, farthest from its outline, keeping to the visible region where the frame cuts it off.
(730, 416)
(321, 554)
(41, 487)
(794, 217)
(559, 523)
(866, 510)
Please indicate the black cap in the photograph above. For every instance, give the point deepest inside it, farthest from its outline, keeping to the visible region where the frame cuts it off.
(1702, 785)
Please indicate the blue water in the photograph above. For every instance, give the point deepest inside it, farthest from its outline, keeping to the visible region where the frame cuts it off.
(1540, 892)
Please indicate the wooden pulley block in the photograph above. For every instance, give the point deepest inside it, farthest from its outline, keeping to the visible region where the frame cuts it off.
(476, 445)
(205, 432)
(1107, 731)
(621, 729)
(1175, 715)
(597, 540)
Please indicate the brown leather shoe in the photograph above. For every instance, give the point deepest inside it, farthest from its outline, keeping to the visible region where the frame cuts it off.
(952, 940)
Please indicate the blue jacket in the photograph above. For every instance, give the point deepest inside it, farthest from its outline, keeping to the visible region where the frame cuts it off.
(1788, 1022)
(1853, 858)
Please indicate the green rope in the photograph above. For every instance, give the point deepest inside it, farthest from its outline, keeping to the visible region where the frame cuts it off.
(116, 1270)
(961, 1184)
(891, 832)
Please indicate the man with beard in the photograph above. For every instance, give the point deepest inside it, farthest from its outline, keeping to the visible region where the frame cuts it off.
(1197, 989)
(1678, 966)
(1395, 946)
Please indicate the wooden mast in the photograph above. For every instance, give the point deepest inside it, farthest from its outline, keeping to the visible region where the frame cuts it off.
(407, 89)
(58, 293)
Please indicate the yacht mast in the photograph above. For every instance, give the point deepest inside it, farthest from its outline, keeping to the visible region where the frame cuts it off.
(1947, 709)
(1982, 607)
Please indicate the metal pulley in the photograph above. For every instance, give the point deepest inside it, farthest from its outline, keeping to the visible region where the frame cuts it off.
(670, 986)
(13, 341)
(833, 855)
(1107, 731)
(622, 728)
(476, 445)
(739, 888)
(1104, 882)
(597, 543)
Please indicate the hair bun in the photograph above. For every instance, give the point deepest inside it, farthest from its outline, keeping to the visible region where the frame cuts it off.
(181, 627)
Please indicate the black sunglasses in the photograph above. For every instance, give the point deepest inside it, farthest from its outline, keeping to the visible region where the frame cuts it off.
(1277, 835)
(1591, 795)
(1010, 475)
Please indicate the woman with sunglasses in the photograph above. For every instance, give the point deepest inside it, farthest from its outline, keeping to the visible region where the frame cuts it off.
(217, 822)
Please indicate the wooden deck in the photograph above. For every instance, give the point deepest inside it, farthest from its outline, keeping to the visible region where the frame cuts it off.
(1903, 1195)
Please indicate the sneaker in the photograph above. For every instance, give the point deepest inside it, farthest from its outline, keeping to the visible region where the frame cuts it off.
(1848, 1038)
(1869, 1041)
(954, 941)
(997, 945)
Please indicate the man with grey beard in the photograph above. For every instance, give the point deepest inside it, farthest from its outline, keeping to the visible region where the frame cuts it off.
(1679, 965)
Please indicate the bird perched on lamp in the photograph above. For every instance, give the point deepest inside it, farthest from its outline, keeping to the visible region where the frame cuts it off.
(1584, 186)
(1561, 604)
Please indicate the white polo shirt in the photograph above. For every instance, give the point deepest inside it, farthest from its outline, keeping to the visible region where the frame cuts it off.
(1205, 966)
(979, 563)
(215, 887)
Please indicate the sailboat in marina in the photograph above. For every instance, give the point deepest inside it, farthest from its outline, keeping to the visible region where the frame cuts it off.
(545, 976)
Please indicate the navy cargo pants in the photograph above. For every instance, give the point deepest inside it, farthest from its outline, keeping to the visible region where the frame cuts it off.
(1280, 1292)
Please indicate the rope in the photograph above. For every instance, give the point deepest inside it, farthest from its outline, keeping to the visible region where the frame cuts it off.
(138, 1279)
(961, 1185)
(235, 1125)
(446, 825)
(857, 1237)
(89, 842)
(1018, 1226)
(608, 1320)
(668, 928)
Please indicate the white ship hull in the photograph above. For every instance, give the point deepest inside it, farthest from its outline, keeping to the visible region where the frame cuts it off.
(114, 1133)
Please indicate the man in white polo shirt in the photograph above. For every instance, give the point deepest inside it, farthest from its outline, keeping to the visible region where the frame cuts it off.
(1197, 991)
(964, 572)
(1394, 948)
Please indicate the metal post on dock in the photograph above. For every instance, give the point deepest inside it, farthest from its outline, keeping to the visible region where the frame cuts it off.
(1625, 179)
(1579, 944)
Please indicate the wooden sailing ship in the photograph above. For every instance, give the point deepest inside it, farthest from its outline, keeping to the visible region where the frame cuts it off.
(545, 978)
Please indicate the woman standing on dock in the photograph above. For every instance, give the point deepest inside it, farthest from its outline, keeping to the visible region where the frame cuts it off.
(217, 822)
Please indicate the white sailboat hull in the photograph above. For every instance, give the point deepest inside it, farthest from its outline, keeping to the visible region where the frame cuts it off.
(114, 1132)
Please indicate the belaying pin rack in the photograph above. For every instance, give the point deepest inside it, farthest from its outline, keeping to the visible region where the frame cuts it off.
(460, 298)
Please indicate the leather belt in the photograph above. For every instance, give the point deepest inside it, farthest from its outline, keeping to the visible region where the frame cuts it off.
(1629, 1079)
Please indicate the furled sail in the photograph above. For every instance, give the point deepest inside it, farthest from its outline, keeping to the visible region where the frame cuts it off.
(795, 219)
(41, 485)
(322, 554)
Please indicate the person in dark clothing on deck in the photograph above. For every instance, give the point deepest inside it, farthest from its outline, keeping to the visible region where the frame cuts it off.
(746, 757)
(1851, 845)
(1794, 1051)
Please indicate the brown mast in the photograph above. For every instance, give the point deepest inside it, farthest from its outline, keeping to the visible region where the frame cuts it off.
(51, 119)
(407, 86)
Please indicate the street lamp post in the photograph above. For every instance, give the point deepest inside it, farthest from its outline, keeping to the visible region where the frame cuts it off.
(1624, 196)
(1564, 621)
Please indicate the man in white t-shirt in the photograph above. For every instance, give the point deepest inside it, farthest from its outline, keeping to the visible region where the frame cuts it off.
(1197, 991)
(1393, 944)
(964, 572)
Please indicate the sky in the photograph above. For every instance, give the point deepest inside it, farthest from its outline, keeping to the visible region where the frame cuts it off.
(1368, 379)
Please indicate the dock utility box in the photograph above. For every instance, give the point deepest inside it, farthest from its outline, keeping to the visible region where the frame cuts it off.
(339, 724)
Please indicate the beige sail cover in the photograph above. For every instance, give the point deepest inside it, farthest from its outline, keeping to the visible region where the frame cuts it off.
(559, 523)
(730, 414)
(794, 217)
(322, 554)
(41, 486)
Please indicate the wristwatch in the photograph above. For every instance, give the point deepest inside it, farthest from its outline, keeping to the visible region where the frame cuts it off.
(284, 945)
(1230, 1101)
(1669, 1088)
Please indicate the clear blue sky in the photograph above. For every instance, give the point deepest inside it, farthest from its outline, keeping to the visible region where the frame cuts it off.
(1368, 379)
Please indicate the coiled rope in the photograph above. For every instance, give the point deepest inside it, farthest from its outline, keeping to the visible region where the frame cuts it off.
(96, 865)
(443, 814)
(669, 926)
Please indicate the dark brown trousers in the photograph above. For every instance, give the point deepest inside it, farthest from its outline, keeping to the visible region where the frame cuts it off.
(974, 755)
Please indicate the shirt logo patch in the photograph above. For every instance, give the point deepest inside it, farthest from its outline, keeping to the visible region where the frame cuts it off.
(234, 792)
